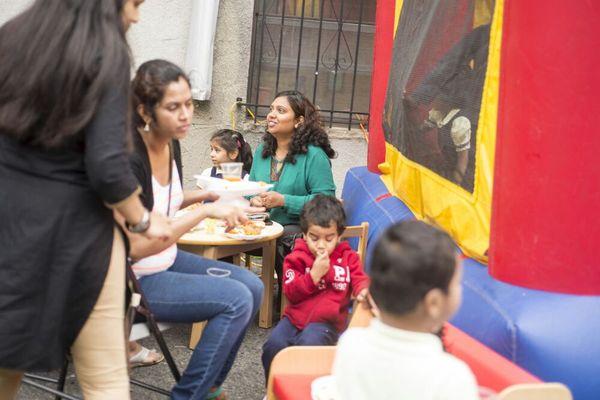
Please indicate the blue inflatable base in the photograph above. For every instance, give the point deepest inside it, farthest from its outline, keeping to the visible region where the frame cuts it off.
(554, 336)
(367, 199)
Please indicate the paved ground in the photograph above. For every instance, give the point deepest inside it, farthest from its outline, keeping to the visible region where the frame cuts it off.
(245, 381)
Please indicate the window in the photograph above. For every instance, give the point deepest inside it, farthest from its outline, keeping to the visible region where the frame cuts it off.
(323, 48)
(435, 88)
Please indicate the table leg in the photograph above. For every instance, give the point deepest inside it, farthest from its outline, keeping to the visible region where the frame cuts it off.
(237, 259)
(210, 252)
(197, 329)
(268, 268)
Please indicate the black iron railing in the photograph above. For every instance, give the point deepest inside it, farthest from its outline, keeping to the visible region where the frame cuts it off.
(323, 48)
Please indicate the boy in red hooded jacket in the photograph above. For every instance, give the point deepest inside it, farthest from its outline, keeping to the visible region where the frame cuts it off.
(320, 275)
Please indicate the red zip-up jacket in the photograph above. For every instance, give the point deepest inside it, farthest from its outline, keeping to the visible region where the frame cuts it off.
(330, 299)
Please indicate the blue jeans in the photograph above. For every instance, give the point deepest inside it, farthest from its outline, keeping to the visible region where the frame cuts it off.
(285, 334)
(186, 293)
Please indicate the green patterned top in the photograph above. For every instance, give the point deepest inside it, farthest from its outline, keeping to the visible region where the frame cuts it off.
(299, 182)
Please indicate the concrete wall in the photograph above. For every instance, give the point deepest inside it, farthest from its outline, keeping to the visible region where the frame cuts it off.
(163, 33)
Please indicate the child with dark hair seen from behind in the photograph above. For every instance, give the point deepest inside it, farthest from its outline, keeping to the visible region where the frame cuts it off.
(227, 146)
(415, 288)
(320, 275)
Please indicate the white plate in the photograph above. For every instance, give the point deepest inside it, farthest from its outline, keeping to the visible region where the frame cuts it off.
(241, 236)
(228, 190)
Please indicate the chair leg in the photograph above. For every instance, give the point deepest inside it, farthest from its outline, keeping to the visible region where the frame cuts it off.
(59, 392)
(144, 309)
(62, 378)
(197, 329)
(60, 395)
(163, 347)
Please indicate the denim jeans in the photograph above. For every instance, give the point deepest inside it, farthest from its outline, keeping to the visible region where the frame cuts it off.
(285, 334)
(186, 293)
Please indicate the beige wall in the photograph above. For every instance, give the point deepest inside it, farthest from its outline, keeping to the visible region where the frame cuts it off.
(163, 32)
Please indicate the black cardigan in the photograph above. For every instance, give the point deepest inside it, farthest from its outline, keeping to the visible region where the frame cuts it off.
(140, 164)
(56, 233)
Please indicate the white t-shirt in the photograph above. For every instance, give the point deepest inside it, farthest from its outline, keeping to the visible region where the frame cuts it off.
(207, 171)
(162, 261)
(382, 362)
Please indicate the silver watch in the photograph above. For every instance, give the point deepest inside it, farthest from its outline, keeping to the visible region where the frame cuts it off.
(141, 226)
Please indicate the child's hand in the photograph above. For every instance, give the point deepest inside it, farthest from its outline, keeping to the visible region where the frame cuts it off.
(361, 297)
(320, 267)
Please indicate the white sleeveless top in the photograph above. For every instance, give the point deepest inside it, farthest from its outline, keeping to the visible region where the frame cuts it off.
(162, 261)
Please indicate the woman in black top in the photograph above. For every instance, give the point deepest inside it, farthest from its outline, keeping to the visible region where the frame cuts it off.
(64, 168)
(181, 286)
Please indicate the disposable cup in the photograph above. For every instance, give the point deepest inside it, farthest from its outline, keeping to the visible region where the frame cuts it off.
(232, 171)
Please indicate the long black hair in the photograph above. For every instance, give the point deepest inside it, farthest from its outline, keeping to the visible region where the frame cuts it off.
(58, 59)
(309, 132)
(149, 85)
(231, 141)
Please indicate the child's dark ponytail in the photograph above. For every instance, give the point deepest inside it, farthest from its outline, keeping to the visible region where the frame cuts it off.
(231, 140)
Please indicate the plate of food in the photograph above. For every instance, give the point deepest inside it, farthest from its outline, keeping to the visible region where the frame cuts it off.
(251, 230)
(231, 189)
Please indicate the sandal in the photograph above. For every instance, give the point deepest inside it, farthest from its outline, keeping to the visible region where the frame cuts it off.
(145, 358)
(216, 393)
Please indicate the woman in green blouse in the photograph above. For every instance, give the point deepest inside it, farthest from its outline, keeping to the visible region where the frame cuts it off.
(295, 157)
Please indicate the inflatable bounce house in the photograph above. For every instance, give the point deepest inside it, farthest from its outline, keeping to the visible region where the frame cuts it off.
(484, 122)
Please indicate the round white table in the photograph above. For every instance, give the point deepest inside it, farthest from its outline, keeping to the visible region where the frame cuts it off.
(217, 245)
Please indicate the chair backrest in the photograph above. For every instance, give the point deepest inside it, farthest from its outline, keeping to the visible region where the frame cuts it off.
(313, 360)
(361, 316)
(362, 233)
(536, 391)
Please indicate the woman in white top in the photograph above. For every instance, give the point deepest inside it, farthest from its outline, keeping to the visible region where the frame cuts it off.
(176, 283)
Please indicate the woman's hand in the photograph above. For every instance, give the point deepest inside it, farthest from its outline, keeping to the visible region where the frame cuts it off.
(160, 227)
(232, 215)
(197, 196)
(272, 199)
(256, 201)
(203, 195)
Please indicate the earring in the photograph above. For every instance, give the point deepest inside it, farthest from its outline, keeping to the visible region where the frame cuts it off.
(147, 127)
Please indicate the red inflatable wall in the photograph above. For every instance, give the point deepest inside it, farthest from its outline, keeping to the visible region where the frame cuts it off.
(382, 58)
(545, 231)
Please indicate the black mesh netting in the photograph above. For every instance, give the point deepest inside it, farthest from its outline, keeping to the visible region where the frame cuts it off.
(435, 86)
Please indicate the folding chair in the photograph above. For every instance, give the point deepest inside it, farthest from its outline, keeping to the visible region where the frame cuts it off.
(134, 331)
(354, 231)
(139, 305)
